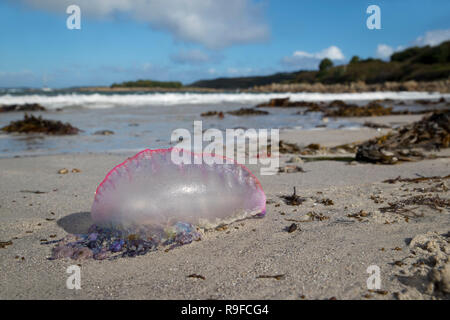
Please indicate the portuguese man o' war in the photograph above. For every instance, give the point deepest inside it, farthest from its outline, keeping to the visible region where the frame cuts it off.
(149, 200)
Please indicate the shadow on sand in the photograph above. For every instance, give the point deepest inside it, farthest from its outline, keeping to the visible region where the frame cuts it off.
(74, 223)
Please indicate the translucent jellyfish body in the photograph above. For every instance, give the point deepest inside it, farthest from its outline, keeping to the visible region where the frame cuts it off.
(150, 201)
(153, 191)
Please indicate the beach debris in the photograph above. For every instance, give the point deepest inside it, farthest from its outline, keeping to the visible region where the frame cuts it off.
(286, 147)
(196, 276)
(247, 112)
(290, 169)
(293, 199)
(4, 244)
(276, 277)
(292, 228)
(326, 202)
(21, 107)
(415, 180)
(104, 132)
(287, 103)
(75, 170)
(439, 187)
(359, 215)
(32, 124)
(401, 206)
(63, 171)
(213, 113)
(314, 149)
(430, 133)
(312, 216)
(33, 191)
(379, 291)
(340, 108)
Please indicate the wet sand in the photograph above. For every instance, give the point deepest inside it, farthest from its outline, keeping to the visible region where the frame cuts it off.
(324, 258)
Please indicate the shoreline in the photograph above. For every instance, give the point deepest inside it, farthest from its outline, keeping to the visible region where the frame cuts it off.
(440, 86)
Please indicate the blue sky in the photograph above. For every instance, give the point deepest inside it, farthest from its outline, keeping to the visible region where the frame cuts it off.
(189, 40)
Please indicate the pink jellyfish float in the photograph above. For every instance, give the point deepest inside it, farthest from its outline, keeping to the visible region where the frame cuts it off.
(150, 200)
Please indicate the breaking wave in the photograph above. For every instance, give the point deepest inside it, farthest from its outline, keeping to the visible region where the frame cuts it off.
(101, 100)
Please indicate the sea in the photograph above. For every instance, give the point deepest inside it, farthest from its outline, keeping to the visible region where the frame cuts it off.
(143, 120)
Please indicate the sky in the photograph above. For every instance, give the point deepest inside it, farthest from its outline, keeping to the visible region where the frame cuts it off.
(181, 40)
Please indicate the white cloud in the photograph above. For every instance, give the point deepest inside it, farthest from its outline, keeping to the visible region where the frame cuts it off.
(333, 53)
(384, 51)
(433, 37)
(212, 23)
(306, 60)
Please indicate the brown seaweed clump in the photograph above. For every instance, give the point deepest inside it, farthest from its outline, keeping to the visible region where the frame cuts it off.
(293, 199)
(372, 109)
(22, 107)
(315, 148)
(212, 114)
(286, 103)
(247, 112)
(430, 133)
(32, 124)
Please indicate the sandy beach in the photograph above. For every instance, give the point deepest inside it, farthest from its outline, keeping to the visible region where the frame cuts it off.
(327, 256)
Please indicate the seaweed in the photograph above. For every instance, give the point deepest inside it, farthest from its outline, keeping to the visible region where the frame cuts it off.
(286, 147)
(415, 180)
(317, 216)
(32, 124)
(374, 125)
(213, 113)
(22, 107)
(326, 202)
(4, 244)
(293, 199)
(400, 207)
(247, 112)
(359, 215)
(286, 103)
(430, 133)
(196, 276)
(277, 276)
(33, 191)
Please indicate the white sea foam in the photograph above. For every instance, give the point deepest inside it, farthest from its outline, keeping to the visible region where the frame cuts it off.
(98, 100)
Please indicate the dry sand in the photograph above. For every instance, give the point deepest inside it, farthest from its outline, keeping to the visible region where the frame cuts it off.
(320, 260)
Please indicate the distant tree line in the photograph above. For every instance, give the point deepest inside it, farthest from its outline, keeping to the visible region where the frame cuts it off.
(148, 84)
(416, 63)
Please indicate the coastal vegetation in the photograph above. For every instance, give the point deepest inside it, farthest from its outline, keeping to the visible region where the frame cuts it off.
(412, 64)
(148, 84)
